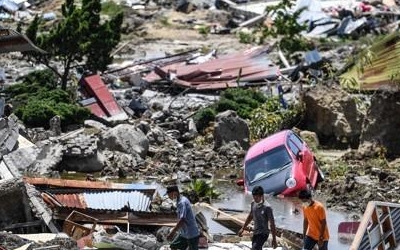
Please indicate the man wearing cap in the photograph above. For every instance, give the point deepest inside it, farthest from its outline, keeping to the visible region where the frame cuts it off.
(189, 232)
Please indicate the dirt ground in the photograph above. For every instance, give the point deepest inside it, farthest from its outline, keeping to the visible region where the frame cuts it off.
(173, 32)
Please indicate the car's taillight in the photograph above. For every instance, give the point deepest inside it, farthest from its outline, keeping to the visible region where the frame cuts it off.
(291, 182)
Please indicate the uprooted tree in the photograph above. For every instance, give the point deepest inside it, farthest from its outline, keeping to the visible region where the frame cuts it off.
(79, 37)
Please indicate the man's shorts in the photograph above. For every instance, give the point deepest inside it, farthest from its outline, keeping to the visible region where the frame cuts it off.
(182, 243)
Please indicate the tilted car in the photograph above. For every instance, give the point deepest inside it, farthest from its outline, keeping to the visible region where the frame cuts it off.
(282, 164)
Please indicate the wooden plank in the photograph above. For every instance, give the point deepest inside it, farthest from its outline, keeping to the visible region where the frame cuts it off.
(24, 224)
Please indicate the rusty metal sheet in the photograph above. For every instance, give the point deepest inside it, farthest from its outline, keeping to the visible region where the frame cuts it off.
(62, 183)
(71, 200)
(105, 100)
(251, 65)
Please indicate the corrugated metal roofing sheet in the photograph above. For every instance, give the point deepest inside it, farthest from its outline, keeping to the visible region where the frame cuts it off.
(71, 200)
(96, 110)
(88, 184)
(107, 200)
(251, 65)
(105, 99)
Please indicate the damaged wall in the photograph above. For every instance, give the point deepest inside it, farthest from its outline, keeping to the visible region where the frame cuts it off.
(14, 202)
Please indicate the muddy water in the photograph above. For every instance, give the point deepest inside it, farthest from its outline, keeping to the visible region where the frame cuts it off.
(285, 215)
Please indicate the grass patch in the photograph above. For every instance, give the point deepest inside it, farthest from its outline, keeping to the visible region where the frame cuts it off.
(110, 8)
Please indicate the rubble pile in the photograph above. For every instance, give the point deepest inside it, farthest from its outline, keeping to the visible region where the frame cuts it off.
(59, 243)
(12, 241)
(159, 83)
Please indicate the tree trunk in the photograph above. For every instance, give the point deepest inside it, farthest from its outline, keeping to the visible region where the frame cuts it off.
(64, 78)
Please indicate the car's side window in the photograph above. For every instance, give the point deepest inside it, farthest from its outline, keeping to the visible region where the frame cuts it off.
(295, 143)
(297, 140)
(295, 150)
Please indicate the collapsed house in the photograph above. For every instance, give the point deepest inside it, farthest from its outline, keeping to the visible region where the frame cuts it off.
(80, 208)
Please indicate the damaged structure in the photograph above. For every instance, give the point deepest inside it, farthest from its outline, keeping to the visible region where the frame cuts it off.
(246, 68)
(98, 99)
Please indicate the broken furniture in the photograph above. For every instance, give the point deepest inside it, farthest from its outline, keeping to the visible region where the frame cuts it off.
(75, 230)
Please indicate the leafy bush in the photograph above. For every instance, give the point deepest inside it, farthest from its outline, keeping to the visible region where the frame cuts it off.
(237, 93)
(265, 115)
(225, 104)
(37, 113)
(246, 38)
(56, 95)
(204, 30)
(36, 101)
(203, 189)
(243, 101)
(110, 8)
(34, 82)
(203, 118)
(270, 118)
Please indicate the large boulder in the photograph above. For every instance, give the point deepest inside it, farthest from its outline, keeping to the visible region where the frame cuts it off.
(333, 115)
(125, 138)
(230, 127)
(382, 123)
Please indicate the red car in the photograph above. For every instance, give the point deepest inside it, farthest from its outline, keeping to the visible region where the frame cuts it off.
(282, 164)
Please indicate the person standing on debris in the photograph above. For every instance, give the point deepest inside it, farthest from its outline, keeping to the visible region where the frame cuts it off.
(261, 213)
(189, 231)
(315, 229)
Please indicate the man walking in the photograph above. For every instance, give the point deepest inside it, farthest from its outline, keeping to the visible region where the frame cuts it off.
(315, 229)
(261, 213)
(187, 225)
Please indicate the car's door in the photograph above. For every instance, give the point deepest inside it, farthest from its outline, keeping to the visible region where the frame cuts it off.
(307, 157)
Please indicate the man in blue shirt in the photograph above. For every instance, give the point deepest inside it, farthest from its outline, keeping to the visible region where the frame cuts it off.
(187, 225)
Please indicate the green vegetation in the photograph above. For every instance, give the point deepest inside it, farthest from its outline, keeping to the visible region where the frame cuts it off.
(246, 37)
(165, 21)
(35, 101)
(338, 170)
(203, 190)
(204, 117)
(204, 30)
(243, 101)
(111, 8)
(81, 36)
(265, 115)
(285, 27)
(270, 118)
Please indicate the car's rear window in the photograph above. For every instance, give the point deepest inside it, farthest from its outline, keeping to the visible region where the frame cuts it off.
(273, 159)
